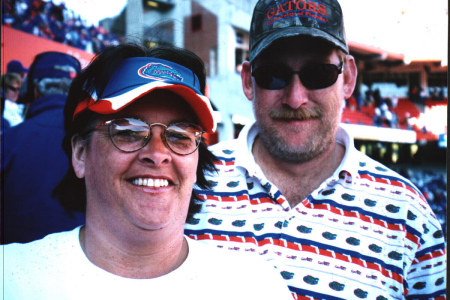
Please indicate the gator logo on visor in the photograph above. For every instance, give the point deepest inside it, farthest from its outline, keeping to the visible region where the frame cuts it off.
(160, 72)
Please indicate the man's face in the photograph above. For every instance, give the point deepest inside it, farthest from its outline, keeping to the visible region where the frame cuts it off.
(115, 197)
(297, 124)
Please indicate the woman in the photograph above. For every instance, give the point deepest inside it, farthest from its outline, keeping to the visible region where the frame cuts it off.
(134, 120)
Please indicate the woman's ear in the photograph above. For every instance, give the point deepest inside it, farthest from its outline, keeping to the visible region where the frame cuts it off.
(246, 77)
(78, 155)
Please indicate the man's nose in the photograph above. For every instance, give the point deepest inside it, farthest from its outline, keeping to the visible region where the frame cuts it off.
(295, 93)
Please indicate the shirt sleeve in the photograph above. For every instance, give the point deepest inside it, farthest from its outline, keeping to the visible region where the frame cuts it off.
(426, 272)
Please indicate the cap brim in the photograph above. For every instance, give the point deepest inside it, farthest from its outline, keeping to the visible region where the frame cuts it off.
(116, 102)
(295, 31)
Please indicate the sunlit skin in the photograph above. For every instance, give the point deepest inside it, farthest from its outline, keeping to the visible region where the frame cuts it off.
(128, 221)
(303, 146)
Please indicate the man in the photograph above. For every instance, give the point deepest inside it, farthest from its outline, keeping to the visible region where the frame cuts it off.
(293, 189)
(33, 161)
(134, 121)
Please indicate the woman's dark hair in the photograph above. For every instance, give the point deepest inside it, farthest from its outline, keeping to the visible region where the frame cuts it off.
(71, 191)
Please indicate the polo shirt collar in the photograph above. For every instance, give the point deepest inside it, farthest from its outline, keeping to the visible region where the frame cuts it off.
(245, 159)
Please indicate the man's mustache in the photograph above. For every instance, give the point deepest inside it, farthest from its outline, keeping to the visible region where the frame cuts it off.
(287, 114)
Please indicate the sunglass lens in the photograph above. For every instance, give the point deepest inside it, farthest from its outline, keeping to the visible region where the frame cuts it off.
(319, 76)
(272, 78)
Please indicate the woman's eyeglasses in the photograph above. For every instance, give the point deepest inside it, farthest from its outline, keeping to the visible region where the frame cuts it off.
(130, 135)
(313, 76)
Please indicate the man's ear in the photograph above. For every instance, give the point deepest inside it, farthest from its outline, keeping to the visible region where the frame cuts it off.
(246, 77)
(78, 155)
(350, 74)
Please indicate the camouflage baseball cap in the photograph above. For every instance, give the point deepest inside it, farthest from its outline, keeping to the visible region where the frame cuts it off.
(274, 19)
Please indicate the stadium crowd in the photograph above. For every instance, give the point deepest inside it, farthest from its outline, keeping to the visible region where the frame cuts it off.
(433, 186)
(56, 22)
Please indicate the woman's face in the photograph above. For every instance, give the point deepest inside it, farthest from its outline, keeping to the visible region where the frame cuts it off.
(115, 180)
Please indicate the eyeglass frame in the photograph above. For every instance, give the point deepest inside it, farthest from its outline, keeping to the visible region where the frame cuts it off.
(340, 69)
(163, 135)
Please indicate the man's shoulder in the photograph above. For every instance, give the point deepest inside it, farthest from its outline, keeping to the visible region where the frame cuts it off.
(224, 148)
(368, 165)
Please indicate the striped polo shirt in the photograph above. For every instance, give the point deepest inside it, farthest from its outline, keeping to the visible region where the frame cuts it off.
(365, 233)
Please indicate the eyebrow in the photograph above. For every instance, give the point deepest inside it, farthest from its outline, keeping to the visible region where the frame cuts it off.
(183, 121)
(179, 120)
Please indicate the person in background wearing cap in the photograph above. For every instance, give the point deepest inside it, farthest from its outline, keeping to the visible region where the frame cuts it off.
(293, 189)
(15, 66)
(32, 159)
(134, 120)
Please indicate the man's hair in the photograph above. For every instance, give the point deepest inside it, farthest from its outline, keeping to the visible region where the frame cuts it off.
(71, 191)
(10, 78)
(50, 73)
(51, 86)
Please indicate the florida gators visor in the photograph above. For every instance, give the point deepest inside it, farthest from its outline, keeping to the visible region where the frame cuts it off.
(138, 76)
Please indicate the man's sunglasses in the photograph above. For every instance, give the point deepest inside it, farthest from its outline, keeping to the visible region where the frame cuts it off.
(10, 87)
(313, 76)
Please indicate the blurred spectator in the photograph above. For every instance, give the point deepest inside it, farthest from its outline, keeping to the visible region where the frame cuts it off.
(377, 117)
(436, 93)
(15, 66)
(433, 187)
(12, 111)
(382, 115)
(357, 96)
(394, 102)
(378, 100)
(368, 97)
(414, 94)
(441, 93)
(34, 161)
(422, 96)
(408, 122)
(55, 22)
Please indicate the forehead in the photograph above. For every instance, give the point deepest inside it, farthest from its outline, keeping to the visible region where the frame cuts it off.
(298, 48)
(159, 106)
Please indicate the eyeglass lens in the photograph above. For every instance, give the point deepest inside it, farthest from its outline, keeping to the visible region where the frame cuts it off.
(130, 135)
(313, 76)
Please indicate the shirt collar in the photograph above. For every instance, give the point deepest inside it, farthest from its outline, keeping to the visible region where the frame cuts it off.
(245, 159)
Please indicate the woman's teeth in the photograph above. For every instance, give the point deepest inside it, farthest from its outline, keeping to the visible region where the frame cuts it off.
(151, 182)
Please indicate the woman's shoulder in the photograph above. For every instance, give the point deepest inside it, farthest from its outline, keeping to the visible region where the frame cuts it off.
(47, 248)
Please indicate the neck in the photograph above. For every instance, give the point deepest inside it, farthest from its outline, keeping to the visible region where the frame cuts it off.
(296, 181)
(143, 255)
